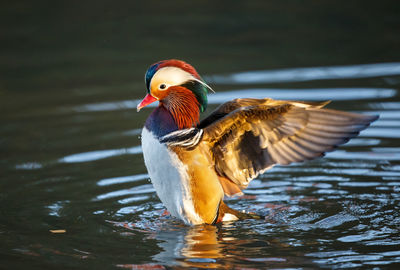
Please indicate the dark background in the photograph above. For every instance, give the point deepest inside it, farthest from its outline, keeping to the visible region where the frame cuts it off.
(58, 45)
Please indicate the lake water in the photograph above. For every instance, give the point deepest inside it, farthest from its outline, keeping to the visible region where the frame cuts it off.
(74, 191)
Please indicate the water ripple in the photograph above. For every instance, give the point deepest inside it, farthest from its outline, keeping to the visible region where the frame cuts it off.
(371, 234)
(342, 154)
(334, 221)
(308, 74)
(148, 188)
(288, 94)
(100, 154)
(29, 166)
(122, 179)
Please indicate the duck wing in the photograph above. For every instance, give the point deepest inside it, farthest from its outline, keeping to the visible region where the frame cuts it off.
(248, 136)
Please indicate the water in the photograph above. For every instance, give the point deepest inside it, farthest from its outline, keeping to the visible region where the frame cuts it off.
(74, 191)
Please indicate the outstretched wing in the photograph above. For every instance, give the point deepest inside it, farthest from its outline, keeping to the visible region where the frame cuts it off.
(248, 136)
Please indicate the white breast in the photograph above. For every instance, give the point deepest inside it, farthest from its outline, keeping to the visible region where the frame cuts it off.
(170, 179)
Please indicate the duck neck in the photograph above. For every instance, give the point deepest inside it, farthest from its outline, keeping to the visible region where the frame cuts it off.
(160, 122)
(183, 106)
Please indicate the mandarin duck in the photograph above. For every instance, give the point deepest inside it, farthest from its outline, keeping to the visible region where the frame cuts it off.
(193, 164)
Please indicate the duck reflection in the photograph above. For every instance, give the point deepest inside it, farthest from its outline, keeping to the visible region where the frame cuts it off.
(197, 246)
(201, 242)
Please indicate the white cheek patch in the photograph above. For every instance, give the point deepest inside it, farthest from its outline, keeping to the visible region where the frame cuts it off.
(170, 76)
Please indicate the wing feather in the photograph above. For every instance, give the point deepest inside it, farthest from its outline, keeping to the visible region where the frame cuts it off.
(248, 136)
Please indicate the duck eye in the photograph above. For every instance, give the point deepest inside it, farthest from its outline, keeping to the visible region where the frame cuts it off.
(162, 86)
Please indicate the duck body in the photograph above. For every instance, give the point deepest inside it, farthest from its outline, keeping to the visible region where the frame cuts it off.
(194, 164)
(183, 179)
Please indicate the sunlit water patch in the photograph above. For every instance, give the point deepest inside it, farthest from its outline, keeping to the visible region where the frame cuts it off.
(29, 166)
(122, 179)
(385, 105)
(143, 189)
(384, 155)
(308, 74)
(100, 154)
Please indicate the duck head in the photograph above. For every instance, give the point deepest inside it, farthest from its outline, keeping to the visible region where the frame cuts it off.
(179, 88)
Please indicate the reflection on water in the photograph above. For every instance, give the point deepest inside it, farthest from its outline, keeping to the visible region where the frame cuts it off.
(215, 247)
(198, 246)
